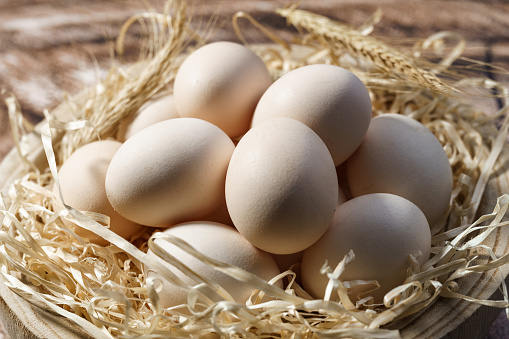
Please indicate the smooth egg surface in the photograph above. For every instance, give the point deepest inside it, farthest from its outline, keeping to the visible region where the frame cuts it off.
(82, 180)
(221, 82)
(330, 100)
(157, 110)
(401, 156)
(170, 172)
(281, 186)
(219, 242)
(382, 230)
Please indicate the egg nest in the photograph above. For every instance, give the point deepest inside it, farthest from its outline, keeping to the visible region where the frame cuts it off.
(105, 289)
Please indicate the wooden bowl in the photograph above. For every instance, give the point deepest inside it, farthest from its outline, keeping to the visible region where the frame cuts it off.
(451, 318)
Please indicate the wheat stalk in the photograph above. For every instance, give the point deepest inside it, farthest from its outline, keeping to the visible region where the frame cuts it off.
(384, 57)
(120, 93)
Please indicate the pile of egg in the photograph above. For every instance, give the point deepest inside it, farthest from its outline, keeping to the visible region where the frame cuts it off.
(248, 171)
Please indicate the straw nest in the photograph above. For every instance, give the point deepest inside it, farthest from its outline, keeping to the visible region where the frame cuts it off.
(104, 289)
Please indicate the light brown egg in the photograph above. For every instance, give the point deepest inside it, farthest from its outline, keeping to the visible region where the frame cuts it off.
(219, 242)
(382, 230)
(82, 178)
(221, 82)
(170, 172)
(344, 191)
(330, 100)
(285, 261)
(401, 156)
(220, 215)
(341, 196)
(281, 186)
(157, 110)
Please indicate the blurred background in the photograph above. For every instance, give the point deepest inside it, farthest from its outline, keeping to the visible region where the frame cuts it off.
(52, 47)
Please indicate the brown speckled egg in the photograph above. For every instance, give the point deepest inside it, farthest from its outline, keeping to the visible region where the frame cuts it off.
(382, 230)
(157, 110)
(219, 242)
(221, 82)
(82, 179)
(170, 172)
(281, 186)
(401, 156)
(330, 100)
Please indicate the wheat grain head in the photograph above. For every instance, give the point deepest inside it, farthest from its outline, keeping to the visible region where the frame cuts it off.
(387, 59)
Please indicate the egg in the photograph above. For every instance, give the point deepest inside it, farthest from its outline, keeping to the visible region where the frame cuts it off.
(331, 100)
(82, 181)
(285, 261)
(344, 191)
(221, 83)
(401, 156)
(170, 172)
(341, 196)
(382, 230)
(219, 242)
(281, 186)
(159, 109)
(220, 215)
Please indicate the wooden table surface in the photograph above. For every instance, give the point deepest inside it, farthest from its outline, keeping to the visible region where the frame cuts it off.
(52, 47)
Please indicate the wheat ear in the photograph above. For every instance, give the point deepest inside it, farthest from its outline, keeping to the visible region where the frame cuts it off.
(386, 58)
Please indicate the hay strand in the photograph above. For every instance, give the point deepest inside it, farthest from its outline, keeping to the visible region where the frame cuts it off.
(384, 57)
(120, 94)
(105, 290)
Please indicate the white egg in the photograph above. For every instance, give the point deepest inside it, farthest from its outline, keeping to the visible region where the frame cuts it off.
(401, 156)
(82, 178)
(159, 109)
(221, 83)
(170, 172)
(382, 230)
(281, 186)
(219, 242)
(330, 100)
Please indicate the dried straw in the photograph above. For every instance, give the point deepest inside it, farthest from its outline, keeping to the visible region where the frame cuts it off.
(384, 57)
(105, 289)
(121, 93)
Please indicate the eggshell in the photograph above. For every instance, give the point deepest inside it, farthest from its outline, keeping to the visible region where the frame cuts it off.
(382, 230)
(221, 82)
(219, 242)
(82, 178)
(401, 156)
(344, 190)
(341, 196)
(281, 186)
(170, 172)
(330, 100)
(157, 110)
(220, 215)
(285, 261)
(291, 261)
